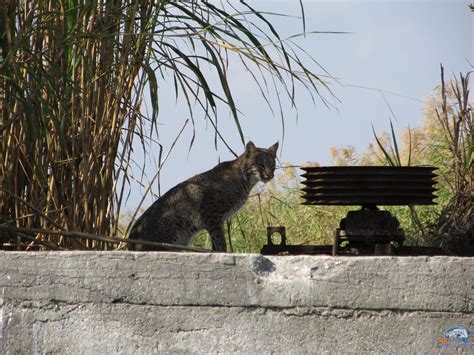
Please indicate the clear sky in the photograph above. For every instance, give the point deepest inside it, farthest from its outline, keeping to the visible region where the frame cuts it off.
(393, 46)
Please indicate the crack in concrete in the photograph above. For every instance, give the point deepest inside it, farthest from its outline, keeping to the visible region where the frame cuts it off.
(296, 311)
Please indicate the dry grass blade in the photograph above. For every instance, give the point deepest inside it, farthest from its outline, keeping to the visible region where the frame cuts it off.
(386, 154)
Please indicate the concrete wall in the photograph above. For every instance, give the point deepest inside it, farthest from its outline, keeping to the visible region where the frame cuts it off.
(131, 303)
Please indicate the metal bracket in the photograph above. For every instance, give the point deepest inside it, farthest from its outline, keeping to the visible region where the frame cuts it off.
(279, 230)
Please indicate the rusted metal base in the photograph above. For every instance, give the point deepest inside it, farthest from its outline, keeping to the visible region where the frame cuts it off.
(274, 248)
(368, 231)
(342, 246)
(363, 245)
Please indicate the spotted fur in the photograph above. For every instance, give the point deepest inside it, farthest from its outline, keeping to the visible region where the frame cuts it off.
(205, 201)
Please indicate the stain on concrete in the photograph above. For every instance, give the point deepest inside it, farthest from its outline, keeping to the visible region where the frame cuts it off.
(263, 265)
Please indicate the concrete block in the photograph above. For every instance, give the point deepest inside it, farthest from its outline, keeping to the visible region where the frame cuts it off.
(131, 302)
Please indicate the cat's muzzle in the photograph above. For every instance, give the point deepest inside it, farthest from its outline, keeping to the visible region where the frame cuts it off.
(266, 177)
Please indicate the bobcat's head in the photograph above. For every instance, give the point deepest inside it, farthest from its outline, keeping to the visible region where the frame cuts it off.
(259, 163)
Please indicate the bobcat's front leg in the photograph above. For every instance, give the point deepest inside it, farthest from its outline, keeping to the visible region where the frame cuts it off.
(218, 238)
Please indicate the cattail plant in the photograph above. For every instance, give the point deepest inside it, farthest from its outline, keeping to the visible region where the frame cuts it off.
(73, 75)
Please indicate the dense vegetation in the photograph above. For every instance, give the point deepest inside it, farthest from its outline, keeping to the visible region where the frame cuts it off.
(73, 79)
(444, 139)
(74, 74)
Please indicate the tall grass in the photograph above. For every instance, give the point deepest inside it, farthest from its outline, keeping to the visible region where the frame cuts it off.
(446, 140)
(453, 146)
(73, 75)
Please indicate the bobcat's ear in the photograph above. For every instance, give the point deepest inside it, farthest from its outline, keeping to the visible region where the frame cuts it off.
(250, 147)
(273, 148)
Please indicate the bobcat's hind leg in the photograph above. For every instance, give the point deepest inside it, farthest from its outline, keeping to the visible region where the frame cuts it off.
(218, 238)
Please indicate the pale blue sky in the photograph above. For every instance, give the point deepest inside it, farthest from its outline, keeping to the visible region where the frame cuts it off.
(393, 46)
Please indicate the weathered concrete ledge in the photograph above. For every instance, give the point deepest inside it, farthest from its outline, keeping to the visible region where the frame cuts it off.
(130, 302)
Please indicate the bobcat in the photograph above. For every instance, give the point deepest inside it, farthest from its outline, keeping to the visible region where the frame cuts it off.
(205, 201)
